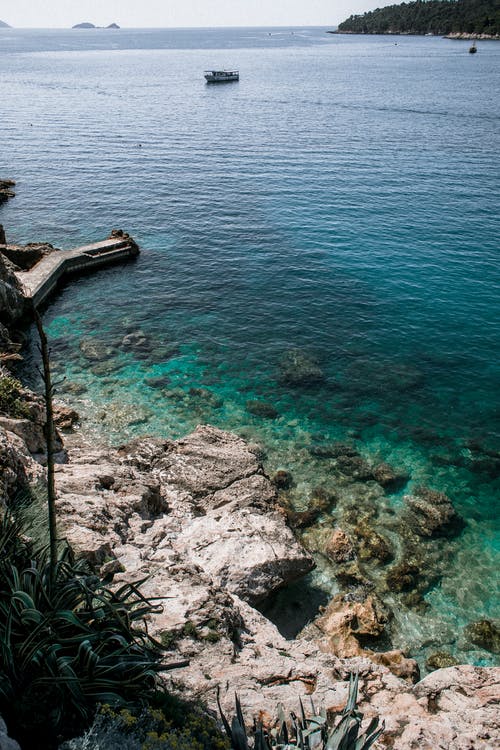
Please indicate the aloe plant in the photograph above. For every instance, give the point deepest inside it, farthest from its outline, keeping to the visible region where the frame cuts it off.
(307, 732)
(67, 643)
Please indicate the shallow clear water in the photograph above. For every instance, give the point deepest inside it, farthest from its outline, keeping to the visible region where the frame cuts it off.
(341, 199)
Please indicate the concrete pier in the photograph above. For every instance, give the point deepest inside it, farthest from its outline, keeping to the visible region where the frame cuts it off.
(39, 283)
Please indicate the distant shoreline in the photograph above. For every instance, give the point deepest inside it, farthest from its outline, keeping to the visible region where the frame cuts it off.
(453, 35)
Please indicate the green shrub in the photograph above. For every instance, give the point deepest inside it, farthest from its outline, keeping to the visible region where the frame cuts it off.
(150, 730)
(66, 645)
(12, 400)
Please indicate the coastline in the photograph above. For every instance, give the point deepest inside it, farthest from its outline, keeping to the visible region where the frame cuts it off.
(165, 493)
(459, 35)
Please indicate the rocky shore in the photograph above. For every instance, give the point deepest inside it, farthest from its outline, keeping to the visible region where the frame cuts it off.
(216, 539)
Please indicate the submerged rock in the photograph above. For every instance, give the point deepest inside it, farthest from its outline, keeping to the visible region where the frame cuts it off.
(403, 577)
(431, 513)
(95, 350)
(333, 450)
(207, 396)
(440, 660)
(299, 369)
(372, 545)
(388, 477)
(354, 467)
(485, 634)
(282, 479)
(339, 547)
(261, 409)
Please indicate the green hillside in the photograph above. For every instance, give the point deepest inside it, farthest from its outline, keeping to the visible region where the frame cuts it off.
(429, 17)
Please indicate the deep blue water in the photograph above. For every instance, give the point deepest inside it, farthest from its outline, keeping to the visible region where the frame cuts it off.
(341, 199)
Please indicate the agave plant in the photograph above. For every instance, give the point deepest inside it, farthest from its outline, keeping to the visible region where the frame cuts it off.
(307, 732)
(67, 643)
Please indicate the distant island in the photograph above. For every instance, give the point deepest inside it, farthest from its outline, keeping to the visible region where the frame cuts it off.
(4, 25)
(454, 18)
(87, 25)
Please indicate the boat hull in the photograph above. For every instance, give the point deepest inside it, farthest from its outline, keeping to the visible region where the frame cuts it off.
(221, 77)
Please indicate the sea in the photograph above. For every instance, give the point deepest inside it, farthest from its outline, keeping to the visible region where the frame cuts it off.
(336, 207)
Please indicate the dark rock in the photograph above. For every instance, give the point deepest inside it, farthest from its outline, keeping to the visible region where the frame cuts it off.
(351, 576)
(208, 396)
(440, 660)
(333, 450)
(2, 235)
(431, 513)
(299, 369)
(322, 500)
(64, 417)
(415, 600)
(302, 519)
(5, 190)
(388, 477)
(84, 25)
(373, 546)
(283, 480)
(106, 481)
(27, 256)
(158, 381)
(485, 634)
(77, 389)
(113, 26)
(354, 467)
(403, 577)
(13, 305)
(95, 350)
(261, 409)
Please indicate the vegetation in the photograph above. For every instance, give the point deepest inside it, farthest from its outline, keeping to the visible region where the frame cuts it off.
(12, 400)
(67, 643)
(429, 17)
(187, 728)
(308, 733)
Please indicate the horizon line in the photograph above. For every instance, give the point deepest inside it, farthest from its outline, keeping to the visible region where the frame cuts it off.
(132, 28)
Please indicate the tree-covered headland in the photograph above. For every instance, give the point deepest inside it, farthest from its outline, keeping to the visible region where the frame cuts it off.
(440, 17)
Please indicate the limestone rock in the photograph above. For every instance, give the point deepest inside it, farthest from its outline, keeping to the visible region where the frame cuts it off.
(345, 618)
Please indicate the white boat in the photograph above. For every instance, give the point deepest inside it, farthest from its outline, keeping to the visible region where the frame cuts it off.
(222, 76)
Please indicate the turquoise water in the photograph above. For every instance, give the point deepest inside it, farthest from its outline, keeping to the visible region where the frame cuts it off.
(341, 200)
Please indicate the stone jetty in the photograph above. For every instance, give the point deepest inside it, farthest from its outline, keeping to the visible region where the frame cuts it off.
(39, 282)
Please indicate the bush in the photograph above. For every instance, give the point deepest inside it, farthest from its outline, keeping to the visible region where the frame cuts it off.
(12, 398)
(66, 644)
(150, 730)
